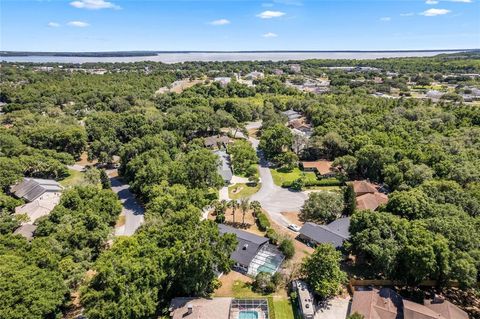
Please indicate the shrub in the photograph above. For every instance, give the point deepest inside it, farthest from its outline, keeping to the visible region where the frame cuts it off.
(262, 221)
(264, 283)
(308, 183)
(273, 236)
(298, 184)
(287, 248)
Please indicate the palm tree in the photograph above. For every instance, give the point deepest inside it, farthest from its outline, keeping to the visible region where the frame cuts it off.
(244, 207)
(233, 204)
(256, 206)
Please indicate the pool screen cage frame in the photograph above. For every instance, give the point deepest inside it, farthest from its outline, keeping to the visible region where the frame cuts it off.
(238, 305)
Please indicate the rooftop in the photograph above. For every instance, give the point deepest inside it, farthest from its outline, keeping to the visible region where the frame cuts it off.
(224, 167)
(323, 167)
(200, 308)
(371, 201)
(248, 244)
(26, 231)
(334, 233)
(32, 188)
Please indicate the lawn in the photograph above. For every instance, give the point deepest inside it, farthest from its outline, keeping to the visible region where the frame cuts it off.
(75, 178)
(280, 176)
(245, 190)
(242, 289)
(284, 309)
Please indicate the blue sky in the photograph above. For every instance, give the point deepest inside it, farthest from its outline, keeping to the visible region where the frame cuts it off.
(104, 25)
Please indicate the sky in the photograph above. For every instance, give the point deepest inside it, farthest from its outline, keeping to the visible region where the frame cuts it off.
(238, 25)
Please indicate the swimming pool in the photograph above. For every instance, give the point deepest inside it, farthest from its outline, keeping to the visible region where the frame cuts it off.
(271, 265)
(248, 314)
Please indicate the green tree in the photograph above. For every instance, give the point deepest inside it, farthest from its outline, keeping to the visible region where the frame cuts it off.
(275, 140)
(322, 271)
(322, 207)
(349, 200)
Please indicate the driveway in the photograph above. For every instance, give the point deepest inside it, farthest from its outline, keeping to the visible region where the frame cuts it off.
(335, 308)
(273, 198)
(132, 210)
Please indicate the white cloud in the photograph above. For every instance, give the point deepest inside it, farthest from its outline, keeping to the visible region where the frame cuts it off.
(407, 14)
(434, 12)
(220, 22)
(270, 35)
(78, 24)
(270, 14)
(93, 4)
(53, 24)
(386, 19)
(431, 2)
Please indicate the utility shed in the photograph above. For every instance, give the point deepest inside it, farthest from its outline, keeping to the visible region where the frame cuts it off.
(32, 188)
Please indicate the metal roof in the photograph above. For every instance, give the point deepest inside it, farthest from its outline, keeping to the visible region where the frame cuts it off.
(224, 167)
(32, 188)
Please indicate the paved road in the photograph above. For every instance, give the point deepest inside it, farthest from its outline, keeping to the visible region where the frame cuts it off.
(273, 198)
(134, 213)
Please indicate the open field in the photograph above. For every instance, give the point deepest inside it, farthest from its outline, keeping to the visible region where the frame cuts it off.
(75, 178)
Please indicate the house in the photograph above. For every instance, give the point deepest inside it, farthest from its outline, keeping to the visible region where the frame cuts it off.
(277, 71)
(40, 207)
(224, 168)
(26, 230)
(301, 126)
(200, 308)
(305, 299)
(334, 233)
(434, 94)
(322, 168)
(371, 201)
(216, 141)
(368, 195)
(363, 187)
(218, 308)
(255, 75)
(32, 188)
(222, 80)
(385, 303)
(295, 68)
(292, 115)
(253, 253)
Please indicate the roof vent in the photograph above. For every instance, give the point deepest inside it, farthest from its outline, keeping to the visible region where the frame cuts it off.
(245, 247)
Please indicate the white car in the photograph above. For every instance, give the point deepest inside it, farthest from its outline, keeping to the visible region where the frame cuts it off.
(294, 227)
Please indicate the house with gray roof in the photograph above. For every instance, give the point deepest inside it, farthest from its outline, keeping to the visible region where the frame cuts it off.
(292, 115)
(224, 168)
(32, 188)
(334, 233)
(253, 253)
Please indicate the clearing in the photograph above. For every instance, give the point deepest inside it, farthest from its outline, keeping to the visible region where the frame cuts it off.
(280, 175)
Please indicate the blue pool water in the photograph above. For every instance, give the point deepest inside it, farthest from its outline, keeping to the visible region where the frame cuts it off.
(270, 265)
(248, 314)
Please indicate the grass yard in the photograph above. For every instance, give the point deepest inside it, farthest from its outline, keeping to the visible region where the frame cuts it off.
(284, 309)
(280, 176)
(75, 178)
(244, 190)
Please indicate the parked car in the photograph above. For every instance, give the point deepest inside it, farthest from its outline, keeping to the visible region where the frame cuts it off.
(294, 227)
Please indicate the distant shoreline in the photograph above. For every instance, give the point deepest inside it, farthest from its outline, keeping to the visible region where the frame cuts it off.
(153, 53)
(172, 57)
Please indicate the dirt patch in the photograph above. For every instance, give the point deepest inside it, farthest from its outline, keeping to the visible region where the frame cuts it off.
(253, 132)
(84, 160)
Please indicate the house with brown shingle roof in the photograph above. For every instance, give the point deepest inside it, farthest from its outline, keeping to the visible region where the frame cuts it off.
(367, 195)
(321, 167)
(385, 303)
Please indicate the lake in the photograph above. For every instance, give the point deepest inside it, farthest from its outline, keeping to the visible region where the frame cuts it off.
(170, 57)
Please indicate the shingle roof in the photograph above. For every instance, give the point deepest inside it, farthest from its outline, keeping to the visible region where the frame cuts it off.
(363, 187)
(334, 233)
(215, 308)
(371, 201)
(32, 188)
(248, 244)
(377, 304)
(446, 309)
(224, 167)
(323, 167)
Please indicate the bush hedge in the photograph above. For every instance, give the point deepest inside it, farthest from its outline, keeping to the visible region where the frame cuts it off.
(262, 221)
(321, 182)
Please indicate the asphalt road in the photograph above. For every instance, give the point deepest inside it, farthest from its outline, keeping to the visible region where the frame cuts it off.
(133, 211)
(273, 198)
